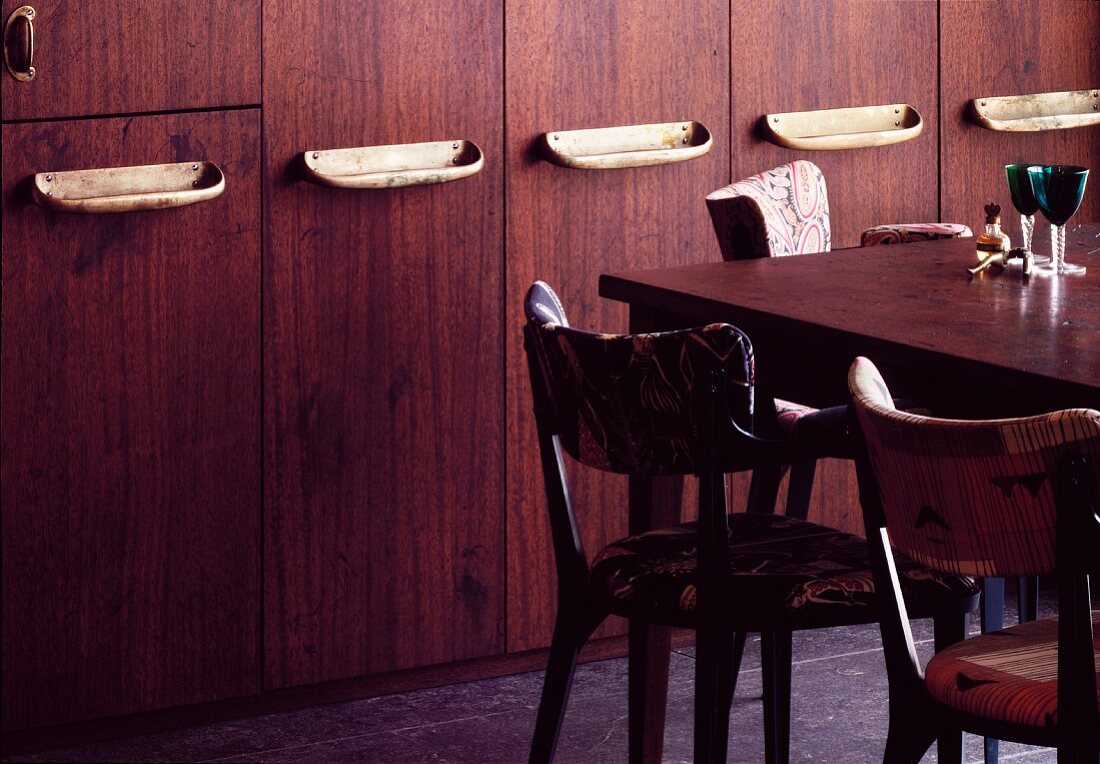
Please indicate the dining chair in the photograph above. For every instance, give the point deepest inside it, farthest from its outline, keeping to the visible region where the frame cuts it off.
(986, 498)
(680, 403)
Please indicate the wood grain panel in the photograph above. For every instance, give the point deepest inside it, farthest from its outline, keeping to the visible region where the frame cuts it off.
(100, 57)
(1010, 48)
(383, 348)
(131, 433)
(798, 56)
(578, 66)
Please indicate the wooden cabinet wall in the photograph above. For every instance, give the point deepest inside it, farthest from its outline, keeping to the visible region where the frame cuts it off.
(225, 473)
(384, 381)
(131, 421)
(573, 68)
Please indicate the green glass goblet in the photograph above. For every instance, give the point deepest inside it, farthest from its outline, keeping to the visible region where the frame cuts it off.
(1019, 184)
(1058, 189)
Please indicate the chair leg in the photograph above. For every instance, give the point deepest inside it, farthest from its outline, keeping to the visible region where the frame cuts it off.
(764, 488)
(993, 604)
(993, 618)
(1027, 590)
(906, 743)
(739, 639)
(648, 691)
(776, 663)
(714, 652)
(947, 630)
(570, 634)
(799, 489)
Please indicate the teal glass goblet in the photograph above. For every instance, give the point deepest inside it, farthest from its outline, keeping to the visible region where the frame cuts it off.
(1019, 184)
(1058, 189)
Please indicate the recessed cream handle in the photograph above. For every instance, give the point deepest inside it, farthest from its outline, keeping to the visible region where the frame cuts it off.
(128, 189)
(19, 43)
(1038, 111)
(606, 148)
(395, 166)
(849, 128)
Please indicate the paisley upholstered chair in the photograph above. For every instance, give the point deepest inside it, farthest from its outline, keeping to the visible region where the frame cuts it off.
(680, 403)
(902, 233)
(995, 498)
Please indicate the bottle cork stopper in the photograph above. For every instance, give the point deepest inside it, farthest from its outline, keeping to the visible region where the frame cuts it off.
(993, 213)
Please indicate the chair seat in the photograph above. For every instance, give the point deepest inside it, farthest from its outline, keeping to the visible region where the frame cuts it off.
(905, 232)
(1009, 675)
(786, 573)
(788, 414)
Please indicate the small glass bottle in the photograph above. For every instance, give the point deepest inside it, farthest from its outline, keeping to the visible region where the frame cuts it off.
(994, 241)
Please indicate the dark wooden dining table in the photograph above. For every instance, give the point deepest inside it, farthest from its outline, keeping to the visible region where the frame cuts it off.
(991, 345)
(994, 344)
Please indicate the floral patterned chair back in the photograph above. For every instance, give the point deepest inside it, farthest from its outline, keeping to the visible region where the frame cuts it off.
(784, 211)
(637, 403)
(970, 497)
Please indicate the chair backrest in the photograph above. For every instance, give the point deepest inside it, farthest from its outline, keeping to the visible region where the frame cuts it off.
(903, 233)
(784, 211)
(662, 403)
(970, 497)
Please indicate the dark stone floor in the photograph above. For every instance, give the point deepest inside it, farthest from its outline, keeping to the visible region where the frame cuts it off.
(838, 715)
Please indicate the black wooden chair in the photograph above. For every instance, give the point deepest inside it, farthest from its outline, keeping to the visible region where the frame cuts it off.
(680, 403)
(1012, 497)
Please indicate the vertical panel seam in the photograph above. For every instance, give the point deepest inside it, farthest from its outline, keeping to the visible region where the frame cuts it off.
(939, 110)
(261, 572)
(502, 561)
(729, 91)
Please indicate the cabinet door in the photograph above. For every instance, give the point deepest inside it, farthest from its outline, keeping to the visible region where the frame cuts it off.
(1014, 47)
(100, 57)
(574, 67)
(799, 56)
(131, 417)
(384, 381)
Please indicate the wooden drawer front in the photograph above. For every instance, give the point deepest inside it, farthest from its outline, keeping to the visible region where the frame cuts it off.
(1014, 47)
(131, 427)
(600, 66)
(98, 57)
(797, 56)
(382, 330)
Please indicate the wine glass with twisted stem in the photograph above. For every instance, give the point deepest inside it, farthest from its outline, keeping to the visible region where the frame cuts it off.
(1058, 189)
(1019, 184)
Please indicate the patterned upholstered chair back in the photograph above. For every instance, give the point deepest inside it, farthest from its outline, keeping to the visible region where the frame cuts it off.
(640, 403)
(975, 498)
(784, 211)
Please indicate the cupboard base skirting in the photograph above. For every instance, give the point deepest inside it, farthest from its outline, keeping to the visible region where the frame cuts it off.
(297, 698)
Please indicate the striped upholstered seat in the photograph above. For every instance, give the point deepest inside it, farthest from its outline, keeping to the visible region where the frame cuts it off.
(1009, 675)
(1011, 497)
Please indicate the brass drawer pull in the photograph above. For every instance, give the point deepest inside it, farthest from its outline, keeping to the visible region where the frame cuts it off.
(850, 128)
(19, 43)
(128, 189)
(606, 148)
(1038, 111)
(397, 166)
